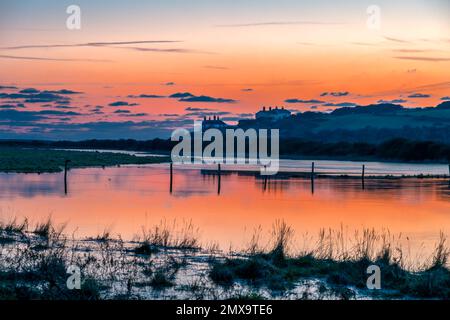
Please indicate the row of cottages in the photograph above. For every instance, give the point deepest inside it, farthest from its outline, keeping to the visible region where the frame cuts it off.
(271, 114)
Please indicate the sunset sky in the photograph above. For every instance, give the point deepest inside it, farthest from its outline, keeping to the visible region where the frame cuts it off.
(113, 78)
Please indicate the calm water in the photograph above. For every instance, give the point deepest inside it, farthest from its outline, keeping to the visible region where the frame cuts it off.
(128, 198)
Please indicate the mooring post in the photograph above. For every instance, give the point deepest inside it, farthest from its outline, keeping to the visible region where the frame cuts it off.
(65, 175)
(312, 177)
(171, 177)
(363, 175)
(218, 174)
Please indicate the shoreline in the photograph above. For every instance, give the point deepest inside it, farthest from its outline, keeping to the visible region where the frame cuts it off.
(164, 264)
(45, 160)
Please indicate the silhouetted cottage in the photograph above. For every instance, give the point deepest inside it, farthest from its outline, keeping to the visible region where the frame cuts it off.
(215, 123)
(273, 113)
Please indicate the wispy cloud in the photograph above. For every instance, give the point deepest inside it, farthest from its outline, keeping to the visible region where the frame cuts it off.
(87, 44)
(52, 59)
(278, 23)
(398, 40)
(340, 104)
(216, 67)
(335, 94)
(419, 95)
(189, 97)
(122, 104)
(430, 59)
(146, 96)
(295, 100)
(394, 101)
(165, 50)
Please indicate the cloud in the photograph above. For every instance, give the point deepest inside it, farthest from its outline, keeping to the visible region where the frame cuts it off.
(189, 97)
(169, 115)
(64, 91)
(278, 23)
(59, 113)
(142, 114)
(335, 94)
(340, 104)
(181, 95)
(167, 50)
(51, 59)
(394, 101)
(146, 96)
(21, 118)
(122, 111)
(87, 44)
(11, 106)
(445, 98)
(207, 114)
(64, 107)
(61, 92)
(419, 95)
(396, 40)
(39, 97)
(245, 115)
(410, 50)
(430, 59)
(197, 109)
(294, 100)
(216, 67)
(8, 88)
(247, 90)
(122, 103)
(206, 99)
(169, 83)
(29, 90)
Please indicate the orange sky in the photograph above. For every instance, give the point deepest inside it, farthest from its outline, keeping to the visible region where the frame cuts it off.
(275, 50)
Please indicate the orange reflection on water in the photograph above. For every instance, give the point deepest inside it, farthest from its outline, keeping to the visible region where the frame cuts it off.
(129, 198)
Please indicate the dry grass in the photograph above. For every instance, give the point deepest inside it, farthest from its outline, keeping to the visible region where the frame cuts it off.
(172, 235)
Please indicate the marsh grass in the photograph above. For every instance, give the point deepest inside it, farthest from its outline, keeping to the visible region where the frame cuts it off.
(29, 160)
(35, 267)
(340, 261)
(13, 226)
(44, 229)
(169, 235)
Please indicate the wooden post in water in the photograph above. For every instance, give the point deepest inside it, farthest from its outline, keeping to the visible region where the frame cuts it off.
(171, 177)
(363, 176)
(65, 175)
(312, 177)
(218, 182)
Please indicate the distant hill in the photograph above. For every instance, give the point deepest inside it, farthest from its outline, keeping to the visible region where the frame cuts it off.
(373, 124)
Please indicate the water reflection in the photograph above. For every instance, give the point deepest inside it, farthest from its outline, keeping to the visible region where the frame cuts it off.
(128, 198)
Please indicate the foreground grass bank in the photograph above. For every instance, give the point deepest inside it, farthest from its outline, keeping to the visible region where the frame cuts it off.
(25, 160)
(167, 262)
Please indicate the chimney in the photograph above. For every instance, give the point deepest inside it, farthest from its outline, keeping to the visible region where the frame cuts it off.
(264, 108)
(270, 108)
(204, 118)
